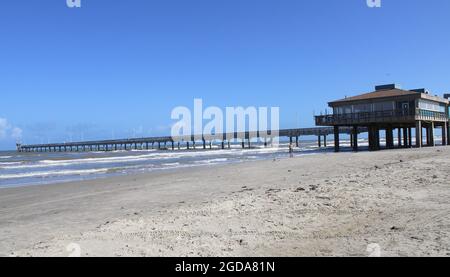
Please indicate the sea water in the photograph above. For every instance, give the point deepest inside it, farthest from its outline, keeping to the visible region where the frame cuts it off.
(24, 169)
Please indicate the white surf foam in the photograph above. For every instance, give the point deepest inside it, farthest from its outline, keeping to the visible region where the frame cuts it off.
(212, 161)
(144, 157)
(53, 173)
(10, 163)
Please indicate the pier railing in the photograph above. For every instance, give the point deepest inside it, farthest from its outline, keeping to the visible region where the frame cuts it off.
(172, 142)
(431, 115)
(406, 115)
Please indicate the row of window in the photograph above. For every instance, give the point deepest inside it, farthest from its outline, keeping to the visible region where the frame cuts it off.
(389, 106)
(431, 106)
(361, 108)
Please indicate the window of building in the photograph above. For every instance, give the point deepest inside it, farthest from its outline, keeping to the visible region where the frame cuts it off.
(431, 106)
(383, 106)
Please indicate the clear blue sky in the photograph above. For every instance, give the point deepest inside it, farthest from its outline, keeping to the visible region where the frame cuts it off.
(117, 68)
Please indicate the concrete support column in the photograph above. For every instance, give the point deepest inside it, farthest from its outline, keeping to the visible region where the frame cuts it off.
(432, 134)
(336, 139)
(374, 138)
(223, 144)
(296, 141)
(204, 144)
(324, 141)
(409, 137)
(355, 138)
(405, 137)
(448, 133)
(243, 143)
(389, 138)
(371, 138)
(377, 138)
(419, 134)
(399, 137)
(444, 134)
(319, 141)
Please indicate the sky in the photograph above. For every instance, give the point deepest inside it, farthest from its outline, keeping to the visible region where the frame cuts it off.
(117, 68)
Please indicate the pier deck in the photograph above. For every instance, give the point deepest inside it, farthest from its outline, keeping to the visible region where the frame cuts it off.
(190, 142)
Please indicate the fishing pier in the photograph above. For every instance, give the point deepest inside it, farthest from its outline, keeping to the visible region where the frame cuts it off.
(188, 142)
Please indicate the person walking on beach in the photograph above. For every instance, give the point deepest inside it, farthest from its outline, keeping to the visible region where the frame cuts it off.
(291, 150)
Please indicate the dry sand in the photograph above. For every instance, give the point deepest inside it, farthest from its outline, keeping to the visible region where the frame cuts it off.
(319, 205)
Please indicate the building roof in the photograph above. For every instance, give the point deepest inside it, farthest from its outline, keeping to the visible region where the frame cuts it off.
(390, 91)
(378, 94)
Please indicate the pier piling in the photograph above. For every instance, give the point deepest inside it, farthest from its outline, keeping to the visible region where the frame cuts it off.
(145, 143)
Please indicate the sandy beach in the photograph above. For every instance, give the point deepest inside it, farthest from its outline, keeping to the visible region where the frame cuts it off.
(314, 205)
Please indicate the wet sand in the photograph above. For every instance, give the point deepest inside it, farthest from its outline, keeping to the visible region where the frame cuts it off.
(398, 202)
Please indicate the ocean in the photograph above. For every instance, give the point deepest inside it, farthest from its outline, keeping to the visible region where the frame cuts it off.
(26, 169)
